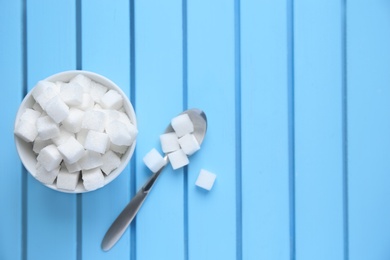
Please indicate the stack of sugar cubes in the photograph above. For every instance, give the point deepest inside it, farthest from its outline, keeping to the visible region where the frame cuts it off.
(79, 130)
(178, 146)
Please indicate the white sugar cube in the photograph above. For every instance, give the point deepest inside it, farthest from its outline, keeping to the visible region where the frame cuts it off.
(178, 159)
(49, 157)
(47, 128)
(45, 93)
(37, 107)
(71, 150)
(30, 115)
(83, 81)
(119, 134)
(94, 120)
(121, 149)
(67, 180)
(97, 91)
(26, 130)
(57, 109)
(72, 94)
(169, 142)
(189, 144)
(96, 141)
(90, 160)
(87, 102)
(205, 179)
(45, 176)
(111, 100)
(111, 161)
(182, 125)
(62, 137)
(39, 144)
(154, 161)
(92, 179)
(72, 167)
(73, 122)
(81, 135)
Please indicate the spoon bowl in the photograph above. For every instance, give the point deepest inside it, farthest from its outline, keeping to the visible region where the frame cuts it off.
(119, 226)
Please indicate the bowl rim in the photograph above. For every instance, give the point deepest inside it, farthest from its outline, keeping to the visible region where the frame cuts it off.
(67, 75)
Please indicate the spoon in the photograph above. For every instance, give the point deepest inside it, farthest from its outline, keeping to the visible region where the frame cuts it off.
(119, 226)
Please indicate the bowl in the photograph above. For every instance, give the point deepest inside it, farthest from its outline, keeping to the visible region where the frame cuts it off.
(29, 158)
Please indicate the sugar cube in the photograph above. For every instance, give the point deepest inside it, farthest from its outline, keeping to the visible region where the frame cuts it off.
(72, 167)
(39, 144)
(119, 134)
(73, 122)
(189, 144)
(45, 176)
(87, 102)
(182, 125)
(49, 157)
(154, 161)
(71, 150)
(118, 148)
(30, 115)
(96, 141)
(205, 179)
(169, 142)
(57, 109)
(90, 160)
(111, 161)
(83, 81)
(178, 159)
(46, 91)
(67, 180)
(37, 107)
(97, 91)
(94, 120)
(92, 179)
(81, 135)
(26, 130)
(111, 100)
(72, 94)
(47, 128)
(62, 137)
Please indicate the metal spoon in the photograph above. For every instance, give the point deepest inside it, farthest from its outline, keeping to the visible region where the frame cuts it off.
(115, 232)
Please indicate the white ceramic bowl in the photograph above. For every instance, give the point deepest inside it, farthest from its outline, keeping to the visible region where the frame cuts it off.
(29, 158)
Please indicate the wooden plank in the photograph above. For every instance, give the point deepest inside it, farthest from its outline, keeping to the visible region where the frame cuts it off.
(318, 129)
(368, 41)
(211, 87)
(51, 219)
(158, 75)
(11, 58)
(106, 50)
(264, 117)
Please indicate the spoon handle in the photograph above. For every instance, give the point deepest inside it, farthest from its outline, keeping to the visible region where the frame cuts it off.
(121, 223)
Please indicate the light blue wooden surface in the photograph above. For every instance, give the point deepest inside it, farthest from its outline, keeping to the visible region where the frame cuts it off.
(297, 94)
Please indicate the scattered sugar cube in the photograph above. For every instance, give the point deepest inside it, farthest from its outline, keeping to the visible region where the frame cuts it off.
(118, 148)
(178, 159)
(72, 94)
(154, 161)
(39, 144)
(119, 134)
(111, 161)
(57, 109)
(67, 180)
(205, 179)
(87, 102)
(94, 120)
(92, 179)
(73, 122)
(26, 130)
(72, 167)
(45, 176)
(189, 144)
(111, 100)
(30, 115)
(83, 81)
(182, 125)
(71, 150)
(46, 91)
(169, 142)
(97, 91)
(47, 128)
(90, 160)
(96, 141)
(49, 157)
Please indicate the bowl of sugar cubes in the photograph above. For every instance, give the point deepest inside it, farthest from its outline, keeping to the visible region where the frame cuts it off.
(75, 131)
